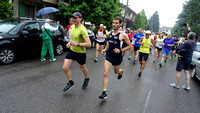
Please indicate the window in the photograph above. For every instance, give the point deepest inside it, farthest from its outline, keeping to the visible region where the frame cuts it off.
(32, 27)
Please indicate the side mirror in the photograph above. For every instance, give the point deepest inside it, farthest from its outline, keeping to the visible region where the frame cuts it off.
(24, 32)
(198, 59)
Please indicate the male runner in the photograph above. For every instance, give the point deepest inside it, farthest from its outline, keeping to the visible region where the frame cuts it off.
(78, 43)
(137, 38)
(114, 53)
(167, 43)
(101, 35)
(144, 50)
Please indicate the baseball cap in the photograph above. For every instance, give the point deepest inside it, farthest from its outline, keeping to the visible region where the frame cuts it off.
(46, 20)
(77, 14)
(147, 32)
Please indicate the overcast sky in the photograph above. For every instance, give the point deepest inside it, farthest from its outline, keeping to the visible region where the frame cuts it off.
(168, 10)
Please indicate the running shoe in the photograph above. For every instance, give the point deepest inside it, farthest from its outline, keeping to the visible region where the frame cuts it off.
(174, 85)
(52, 60)
(154, 61)
(42, 60)
(134, 61)
(171, 58)
(69, 86)
(120, 75)
(165, 61)
(96, 60)
(186, 87)
(103, 95)
(85, 83)
(140, 73)
(160, 65)
(129, 58)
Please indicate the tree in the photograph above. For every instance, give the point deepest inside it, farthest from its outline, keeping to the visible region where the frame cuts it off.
(189, 14)
(154, 22)
(95, 11)
(140, 21)
(6, 10)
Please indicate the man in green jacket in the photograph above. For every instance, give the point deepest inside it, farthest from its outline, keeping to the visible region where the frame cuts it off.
(47, 30)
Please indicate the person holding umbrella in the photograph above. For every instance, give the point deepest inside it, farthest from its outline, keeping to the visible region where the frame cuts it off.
(47, 34)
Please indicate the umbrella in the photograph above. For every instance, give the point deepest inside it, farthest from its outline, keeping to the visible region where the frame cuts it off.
(46, 10)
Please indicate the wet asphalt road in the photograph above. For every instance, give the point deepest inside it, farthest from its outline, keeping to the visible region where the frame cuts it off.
(32, 86)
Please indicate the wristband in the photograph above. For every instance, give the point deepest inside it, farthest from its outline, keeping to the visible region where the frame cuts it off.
(120, 50)
(78, 44)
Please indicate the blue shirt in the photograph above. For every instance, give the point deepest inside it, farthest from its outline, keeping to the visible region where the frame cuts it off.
(168, 41)
(137, 36)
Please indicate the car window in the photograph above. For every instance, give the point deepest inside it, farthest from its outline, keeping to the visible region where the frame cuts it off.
(32, 27)
(7, 25)
(197, 48)
(16, 29)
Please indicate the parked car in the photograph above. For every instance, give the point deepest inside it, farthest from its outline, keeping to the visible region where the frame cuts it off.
(196, 54)
(19, 37)
(92, 37)
(196, 70)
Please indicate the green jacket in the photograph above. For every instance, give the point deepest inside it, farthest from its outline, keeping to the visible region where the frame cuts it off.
(49, 29)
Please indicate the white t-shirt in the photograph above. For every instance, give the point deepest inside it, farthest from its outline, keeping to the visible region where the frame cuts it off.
(159, 42)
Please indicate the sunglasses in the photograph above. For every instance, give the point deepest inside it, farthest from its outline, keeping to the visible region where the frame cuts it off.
(75, 18)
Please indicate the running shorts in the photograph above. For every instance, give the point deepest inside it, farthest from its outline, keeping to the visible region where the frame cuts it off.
(78, 57)
(143, 56)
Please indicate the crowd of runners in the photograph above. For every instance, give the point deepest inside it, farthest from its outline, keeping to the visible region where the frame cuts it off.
(140, 43)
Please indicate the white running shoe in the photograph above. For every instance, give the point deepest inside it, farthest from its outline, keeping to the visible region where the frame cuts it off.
(186, 87)
(52, 60)
(174, 85)
(42, 60)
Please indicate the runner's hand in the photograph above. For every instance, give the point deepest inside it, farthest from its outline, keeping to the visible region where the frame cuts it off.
(102, 52)
(68, 45)
(116, 50)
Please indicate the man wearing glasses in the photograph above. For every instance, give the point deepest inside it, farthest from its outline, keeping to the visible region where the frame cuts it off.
(78, 43)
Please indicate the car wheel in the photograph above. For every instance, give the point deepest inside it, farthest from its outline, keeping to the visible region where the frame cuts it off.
(7, 56)
(59, 49)
(193, 76)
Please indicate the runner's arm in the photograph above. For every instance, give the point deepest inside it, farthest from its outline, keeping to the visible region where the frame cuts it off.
(140, 42)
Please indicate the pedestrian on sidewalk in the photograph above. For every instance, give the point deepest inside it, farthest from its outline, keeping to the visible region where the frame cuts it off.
(114, 53)
(78, 43)
(47, 34)
(184, 59)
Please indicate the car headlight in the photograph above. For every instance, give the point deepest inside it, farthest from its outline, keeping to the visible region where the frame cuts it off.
(1, 37)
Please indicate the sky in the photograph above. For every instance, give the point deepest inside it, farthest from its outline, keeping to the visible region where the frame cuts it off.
(168, 10)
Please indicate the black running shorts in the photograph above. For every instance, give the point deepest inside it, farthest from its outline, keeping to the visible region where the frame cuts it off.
(136, 48)
(159, 49)
(143, 56)
(183, 63)
(78, 57)
(114, 60)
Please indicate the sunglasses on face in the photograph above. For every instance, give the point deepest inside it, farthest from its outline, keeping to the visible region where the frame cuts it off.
(75, 18)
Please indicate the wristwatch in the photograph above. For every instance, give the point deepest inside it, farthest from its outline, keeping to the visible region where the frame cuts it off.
(78, 44)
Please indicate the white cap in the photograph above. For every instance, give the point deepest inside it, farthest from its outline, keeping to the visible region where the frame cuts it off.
(46, 20)
(104, 27)
(147, 32)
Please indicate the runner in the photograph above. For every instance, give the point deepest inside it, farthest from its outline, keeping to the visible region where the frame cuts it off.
(137, 38)
(114, 53)
(78, 43)
(158, 47)
(132, 43)
(167, 43)
(172, 54)
(101, 35)
(144, 50)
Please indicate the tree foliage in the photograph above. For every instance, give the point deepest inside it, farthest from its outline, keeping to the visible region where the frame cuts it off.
(95, 11)
(6, 10)
(189, 14)
(140, 21)
(154, 22)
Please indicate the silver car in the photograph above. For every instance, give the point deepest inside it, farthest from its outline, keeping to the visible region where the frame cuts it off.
(196, 54)
(196, 70)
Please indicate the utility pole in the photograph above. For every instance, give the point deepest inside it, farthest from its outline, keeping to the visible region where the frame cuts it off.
(124, 25)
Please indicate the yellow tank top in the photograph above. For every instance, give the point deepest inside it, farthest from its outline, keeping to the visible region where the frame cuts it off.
(145, 48)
